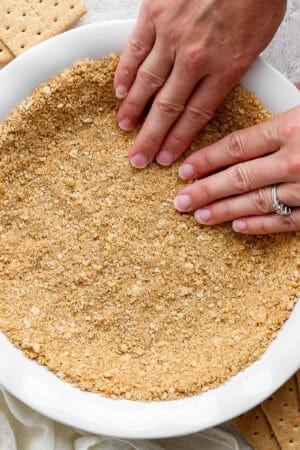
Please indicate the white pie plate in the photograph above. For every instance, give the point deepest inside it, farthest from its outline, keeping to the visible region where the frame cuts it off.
(43, 391)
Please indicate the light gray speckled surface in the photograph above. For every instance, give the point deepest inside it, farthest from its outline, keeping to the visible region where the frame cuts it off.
(283, 52)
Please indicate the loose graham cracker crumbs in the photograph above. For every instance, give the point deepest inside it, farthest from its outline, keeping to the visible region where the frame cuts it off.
(101, 279)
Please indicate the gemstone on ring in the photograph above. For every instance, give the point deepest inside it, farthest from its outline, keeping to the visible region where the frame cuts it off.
(279, 207)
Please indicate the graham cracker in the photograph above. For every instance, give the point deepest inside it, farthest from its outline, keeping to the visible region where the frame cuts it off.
(256, 429)
(5, 55)
(298, 379)
(282, 411)
(24, 23)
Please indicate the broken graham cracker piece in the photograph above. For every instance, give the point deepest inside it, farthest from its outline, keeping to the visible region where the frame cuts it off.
(24, 23)
(5, 55)
(282, 411)
(256, 429)
(298, 380)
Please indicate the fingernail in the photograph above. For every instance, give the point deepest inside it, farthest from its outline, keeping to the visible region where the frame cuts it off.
(121, 91)
(165, 158)
(186, 171)
(139, 161)
(239, 226)
(203, 215)
(126, 124)
(183, 202)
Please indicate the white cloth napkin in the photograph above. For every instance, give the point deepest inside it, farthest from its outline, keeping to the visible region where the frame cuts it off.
(21, 428)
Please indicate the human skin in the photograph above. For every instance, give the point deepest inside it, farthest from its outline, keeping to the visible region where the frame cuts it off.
(186, 55)
(248, 162)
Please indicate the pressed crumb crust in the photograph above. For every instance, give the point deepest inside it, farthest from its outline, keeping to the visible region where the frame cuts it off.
(101, 280)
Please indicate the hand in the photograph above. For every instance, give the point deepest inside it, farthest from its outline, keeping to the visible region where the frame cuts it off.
(188, 54)
(252, 160)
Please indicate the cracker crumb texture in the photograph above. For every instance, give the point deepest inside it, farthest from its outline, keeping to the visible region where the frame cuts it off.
(101, 280)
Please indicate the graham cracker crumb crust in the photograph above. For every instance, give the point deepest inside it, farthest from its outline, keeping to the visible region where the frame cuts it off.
(101, 280)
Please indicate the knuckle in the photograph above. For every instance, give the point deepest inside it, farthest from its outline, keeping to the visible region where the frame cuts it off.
(291, 127)
(149, 141)
(168, 108)
(293, 194)
(137, 48)
(194, 59)
(203, 192)
(236, 69)
(178, 142)
(131, 108)
(204, 156)
(223, 211)
(235, 147)
(289, 223)
(283, 163)
(174, 35)
(241, 179)
(156, 9)
(262, 227)
(123, 69)
(261, 201)
(198, 115)
(294, 164)
(150, 78)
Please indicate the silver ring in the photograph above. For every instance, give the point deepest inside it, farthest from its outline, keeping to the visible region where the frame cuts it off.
(279, 207)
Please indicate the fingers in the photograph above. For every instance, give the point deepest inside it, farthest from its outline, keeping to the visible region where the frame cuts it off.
(149, 78)
(239, 146)
(208, 96)
(138, 46)
(238, 179)
(254, 203)
(167, 107)
(268, 224)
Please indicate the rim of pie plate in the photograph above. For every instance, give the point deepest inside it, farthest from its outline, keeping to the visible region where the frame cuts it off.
(47, 394)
